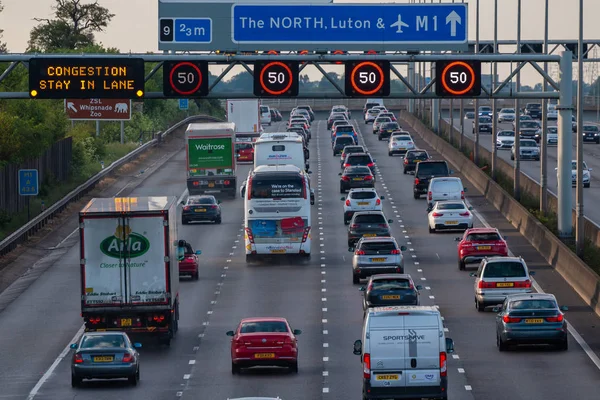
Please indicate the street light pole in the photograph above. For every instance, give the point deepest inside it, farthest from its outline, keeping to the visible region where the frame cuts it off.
(579, 238)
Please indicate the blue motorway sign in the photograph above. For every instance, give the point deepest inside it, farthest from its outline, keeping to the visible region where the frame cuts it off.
(350, 23)
(29, 184)
(185, 30)
(183, 104)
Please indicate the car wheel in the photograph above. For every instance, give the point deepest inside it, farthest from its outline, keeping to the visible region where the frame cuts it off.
(512, 157)
(294, 367)
(218, 220)
(404, 171)
(500, 343)
(564, 345)
(379, 138)
(391, 154)
(480, 306)
(346, 221)
(184, 221)
(234, 369)
(75, 381)
(342, 190)
(196, 275)
(586, 185)
(537, 159)
(355, 279)
(133, 379)
(416, 196)
(431, 230)
(461, 265)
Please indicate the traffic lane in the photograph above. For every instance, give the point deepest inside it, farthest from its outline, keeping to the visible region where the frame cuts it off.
(474, 332)
(195, 298)
(343, 299)
(277, 287)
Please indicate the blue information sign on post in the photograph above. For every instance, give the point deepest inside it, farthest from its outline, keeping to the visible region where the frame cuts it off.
(28, 182)
(444, 24)
(185, 30)
(183, 104)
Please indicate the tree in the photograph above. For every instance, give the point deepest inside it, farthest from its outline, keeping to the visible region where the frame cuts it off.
(74, 26)
(2, 44)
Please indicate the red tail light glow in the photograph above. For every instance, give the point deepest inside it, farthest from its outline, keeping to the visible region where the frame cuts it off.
(443, 367)
(186, 208)
(305, 234)
(158, 318)
(405, 161)
(486, 285)
(250, 235)
(511, 320)
(348, 203)
(465, 214)
(304, 187)
(353, 226)
(525, 284)
(367, 366)
(462, 195)
(370, 165)
(346, 165)
(378, 202)
(345, 178)
(417, 181)
(249, 188)
(558, 318)
(128, 358)
(395, 252)
(226, 183)
(437, 214)
(77, 359)
(360, 252)
(430, 196)
(368, 178)
(370, 286)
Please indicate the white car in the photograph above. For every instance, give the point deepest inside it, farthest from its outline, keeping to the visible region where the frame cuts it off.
(450, 215)
(552, 113)
(528, 149)
(341, 108)
(506, 115)
(388, 114)
(361, 200)
(587, 176)
(380, 108)
(552, 135)
(371, 115)
(505, 139)
(265, 115)
(400, 144)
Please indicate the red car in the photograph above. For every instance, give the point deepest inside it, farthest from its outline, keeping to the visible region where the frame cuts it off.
(188, 260)
(244, 151)
(264, 342)
(478, 243)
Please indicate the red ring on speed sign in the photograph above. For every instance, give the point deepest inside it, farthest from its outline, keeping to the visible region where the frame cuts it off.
(262, 78)
(187, 64)
(445, 84)
(381, 78)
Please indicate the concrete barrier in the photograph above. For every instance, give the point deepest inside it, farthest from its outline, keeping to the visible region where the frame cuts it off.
(577, 274)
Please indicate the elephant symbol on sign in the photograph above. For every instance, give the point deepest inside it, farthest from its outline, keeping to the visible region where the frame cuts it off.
(121, 107)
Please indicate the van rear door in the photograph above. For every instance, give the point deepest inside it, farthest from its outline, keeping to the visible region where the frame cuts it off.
(423, 350)
(388, 350)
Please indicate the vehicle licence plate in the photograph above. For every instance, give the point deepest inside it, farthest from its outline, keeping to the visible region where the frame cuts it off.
(200, 210)
(125, 321)
(357, 179)
(363, 203)
(534, 321)
(369, 235)
(378, 259)
(387, 377)
(484, 247)
(211, 185)
(103, 359)
(451, 223)
(505, 284)
(282, 251)
(264, 355)
(391, 297)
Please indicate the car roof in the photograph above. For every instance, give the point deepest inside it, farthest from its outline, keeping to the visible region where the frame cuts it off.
(390, 276)
(501, 258)
(263, 319)
(368, 213)
(201, 196)
(531, 296)
(378, 239)
(483, 230)
(362, 190)
(104, 333)
(358, 154)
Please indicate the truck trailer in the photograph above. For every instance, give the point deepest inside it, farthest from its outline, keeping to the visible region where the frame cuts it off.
(245, 114)
(129, 266)
(211, 159)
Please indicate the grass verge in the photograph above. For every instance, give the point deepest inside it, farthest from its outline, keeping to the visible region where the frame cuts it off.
(52, 192)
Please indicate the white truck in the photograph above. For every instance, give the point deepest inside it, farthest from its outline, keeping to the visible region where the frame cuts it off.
(245, 114)
(129, 266)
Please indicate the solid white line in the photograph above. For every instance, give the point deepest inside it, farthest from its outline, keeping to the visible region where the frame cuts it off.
(585, 347)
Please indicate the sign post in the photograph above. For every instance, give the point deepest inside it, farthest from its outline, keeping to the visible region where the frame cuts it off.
(29, 185)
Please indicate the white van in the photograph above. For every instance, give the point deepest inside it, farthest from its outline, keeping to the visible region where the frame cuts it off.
(404, 353)
(447, 188)
(265, 115)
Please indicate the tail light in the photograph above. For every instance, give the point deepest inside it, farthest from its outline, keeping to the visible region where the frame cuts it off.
(367, 366)
(378, 202)
(94, 320)
(462, 194)
(360, 252)
(525, 284)
(511, 320)
(346, 165)
(348, 203)
(353, 226)
(250, 235)
(370, 287)
(214, 207)
(417, 181)
(395, 252)
(77, 359)
(345, 178)
(382, 225)
(249, 188)
(486, 285)
(465, 214)
(128, 358)
(305, 234)
(430, 196)
(443, 367)
(370, 165)
(405, 161)
(437, 214)
(226, 183)
(558, 318)
(410, 143)
(186, 208)
(368, 178)
(158, 318)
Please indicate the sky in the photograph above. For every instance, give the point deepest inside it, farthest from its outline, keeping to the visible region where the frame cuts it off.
(135, 25)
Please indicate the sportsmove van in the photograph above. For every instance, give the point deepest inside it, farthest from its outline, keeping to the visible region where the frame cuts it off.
(404, 353)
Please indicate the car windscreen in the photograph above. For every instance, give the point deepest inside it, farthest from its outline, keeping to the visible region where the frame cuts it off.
(528, 143)
(201, 200)
(370, 219)
(483, 237)
(574, 165)
(533, 106)
(485, 120)
(269, 187)
(540, 304)
(402, 138)
(417, 155)
(446, 186)
(358, 170)
(553, 129)
(264, 327)
(529, 124)
(359, 160)
(362, 195)
(391, 283)
(504, 269)
(590, 128)
(450, 206)
(378, 246)
(353, 149)
(506, 133)
(381, 120)
(432, 168)
(507, 111)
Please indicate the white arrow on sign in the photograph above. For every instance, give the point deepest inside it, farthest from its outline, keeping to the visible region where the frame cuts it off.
(453, 18)
(71, 106)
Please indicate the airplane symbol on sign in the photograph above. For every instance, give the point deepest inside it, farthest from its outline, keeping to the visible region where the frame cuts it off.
(399, 24)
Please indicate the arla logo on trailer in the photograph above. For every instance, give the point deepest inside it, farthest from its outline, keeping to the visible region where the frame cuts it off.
(124, 240)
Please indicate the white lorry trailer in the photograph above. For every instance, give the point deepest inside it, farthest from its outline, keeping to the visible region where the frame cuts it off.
(245, 114)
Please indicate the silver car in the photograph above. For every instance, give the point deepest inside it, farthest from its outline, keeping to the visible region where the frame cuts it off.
(376, 255)
(499, 277)
(505, 140)
(528, 150)
(400, 144)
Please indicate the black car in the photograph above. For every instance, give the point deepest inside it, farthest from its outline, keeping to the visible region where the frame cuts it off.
(485, 124)
(368, 224)
(426, 170)
(349, 150)
(534, 110)
(414, 157)
(390, 290)
(356, 177)
(529, 130)
(201, 208)
(591, 134)
(386, 129)
(341, 142)
(355, 159)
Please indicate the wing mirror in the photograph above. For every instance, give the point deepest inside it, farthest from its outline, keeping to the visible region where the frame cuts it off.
(229, 333)
(451, 172)
(465, 190)
(309, 172)
(342, 198)
(297, 331)
(182, 203)
(198, 252)
(357, 348)
(340, 174)
(390, 221)
(218, 201)
(382, 197)
(457, 239)
(73, 346)
(137, 345)
(532, 273)
(564, 308)
(497, 309)
(403, 248)
(449, 346)
(362, 289)
(419, 287)
(473, 274)
(351, 249)
(470, 208)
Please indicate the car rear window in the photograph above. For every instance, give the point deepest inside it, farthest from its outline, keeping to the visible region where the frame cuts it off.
(103, 341)
(533, 304)
(391, 125)
(533, 106)
(552, 129)
(450, 206)
(353, 149)
(381, 120)
(485, 120)
(414, 155)
(446, 186)
(388, 284)
(243, 146)
(363, 160)
(374, 246)
(264, 109)
(357, 170)
(506, 133)
(476, 237)
(402, 138)
(504, 269)
(263, 326)
(202, 200)
(341, 140)
(362, 195)
(344, 128)
(432, 168)
(373, 111)
(370, 219)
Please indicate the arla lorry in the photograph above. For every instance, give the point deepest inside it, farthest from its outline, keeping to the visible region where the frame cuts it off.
(129, 265)
(245, 114)
(211, 158)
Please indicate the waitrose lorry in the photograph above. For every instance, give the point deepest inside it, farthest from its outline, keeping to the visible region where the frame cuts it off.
(129, 266)
(245, 114)
(211, 158)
